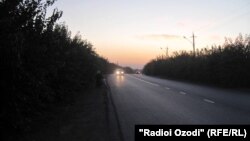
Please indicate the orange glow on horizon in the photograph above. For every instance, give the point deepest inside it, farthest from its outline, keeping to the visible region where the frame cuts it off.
(137, 51)
(127, 57)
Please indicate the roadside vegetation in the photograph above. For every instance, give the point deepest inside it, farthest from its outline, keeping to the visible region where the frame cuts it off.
(227, 65)
(41, 63)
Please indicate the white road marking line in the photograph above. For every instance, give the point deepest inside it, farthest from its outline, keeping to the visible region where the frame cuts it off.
(167, 88)
(146, 81)
(209, 101)
(181, 92)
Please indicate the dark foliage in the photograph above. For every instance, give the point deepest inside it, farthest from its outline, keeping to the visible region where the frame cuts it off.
(128, 70)
(227, 65)
(40, 63)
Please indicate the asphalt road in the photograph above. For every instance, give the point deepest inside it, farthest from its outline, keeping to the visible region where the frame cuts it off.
(140, 99)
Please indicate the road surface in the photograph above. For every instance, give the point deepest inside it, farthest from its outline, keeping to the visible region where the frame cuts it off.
(140, 99)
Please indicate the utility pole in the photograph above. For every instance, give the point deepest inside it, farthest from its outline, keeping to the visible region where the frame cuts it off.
(166, 51)
(193, 41)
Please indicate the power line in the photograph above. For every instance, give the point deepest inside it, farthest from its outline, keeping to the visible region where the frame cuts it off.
(224, 19)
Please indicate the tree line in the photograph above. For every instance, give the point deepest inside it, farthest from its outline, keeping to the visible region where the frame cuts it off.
(41, 64)
(226, 65)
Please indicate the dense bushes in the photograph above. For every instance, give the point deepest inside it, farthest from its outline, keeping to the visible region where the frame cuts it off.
(40, 62)
(227, 65)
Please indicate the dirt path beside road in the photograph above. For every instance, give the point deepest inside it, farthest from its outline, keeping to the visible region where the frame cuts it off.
(89, 118)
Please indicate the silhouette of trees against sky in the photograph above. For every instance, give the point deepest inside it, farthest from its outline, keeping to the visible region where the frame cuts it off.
(40, 63)
(227, 65)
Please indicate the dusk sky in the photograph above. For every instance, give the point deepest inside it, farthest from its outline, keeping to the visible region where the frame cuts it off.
(131, 32)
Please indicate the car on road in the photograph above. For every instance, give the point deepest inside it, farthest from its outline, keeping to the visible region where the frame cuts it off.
(137, 72)
(119, 72)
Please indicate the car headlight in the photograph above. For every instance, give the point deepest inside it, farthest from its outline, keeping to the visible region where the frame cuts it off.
(117, 72)
(122, 72)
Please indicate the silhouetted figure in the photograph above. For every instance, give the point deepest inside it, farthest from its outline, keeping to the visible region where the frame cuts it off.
(99, 79)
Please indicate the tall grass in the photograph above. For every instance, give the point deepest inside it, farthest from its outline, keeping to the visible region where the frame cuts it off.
(40, 62)
(227, 65)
